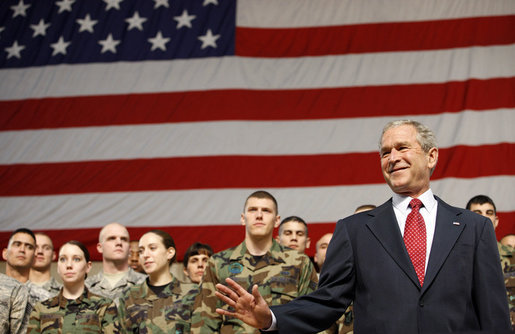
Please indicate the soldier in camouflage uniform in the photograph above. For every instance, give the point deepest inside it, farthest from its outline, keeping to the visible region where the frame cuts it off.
(116, 276)
(161, 304)
(13, 304)
(90, 313)
(40, 273)
(281, 273)
(74, 309)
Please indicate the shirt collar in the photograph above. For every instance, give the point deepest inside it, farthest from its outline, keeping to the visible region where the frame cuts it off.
(401, 202)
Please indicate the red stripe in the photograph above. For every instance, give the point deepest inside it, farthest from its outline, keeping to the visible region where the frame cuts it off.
(219, 237)
(330, 103)
(233, 172)
(379, 37)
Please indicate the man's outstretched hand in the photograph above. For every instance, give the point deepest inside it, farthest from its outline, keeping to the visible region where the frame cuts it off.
(249, 308)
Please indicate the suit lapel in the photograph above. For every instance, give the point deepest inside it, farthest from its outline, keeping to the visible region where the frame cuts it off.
(385, 228)
(447, 230)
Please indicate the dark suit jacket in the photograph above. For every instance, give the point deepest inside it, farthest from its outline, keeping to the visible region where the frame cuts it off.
(367, 263)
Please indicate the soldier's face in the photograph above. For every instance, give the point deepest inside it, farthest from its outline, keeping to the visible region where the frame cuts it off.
(44, 252)
(485, 210)
(72, 265)
(20, 252)
(260, 217)
(114, 243)
(196, 267)
(134, 257)
(154, 256)
(322, 245)
(293, 234)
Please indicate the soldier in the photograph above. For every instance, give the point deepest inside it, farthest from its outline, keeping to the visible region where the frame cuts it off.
(134, 257)
(321, 249)
(40, 272)
(116, 275)
(13, 298)
(508, 240)
(281, 273)
(293, 233)
(160, 304)
(195, 261)
(74, 309)
(19, 257)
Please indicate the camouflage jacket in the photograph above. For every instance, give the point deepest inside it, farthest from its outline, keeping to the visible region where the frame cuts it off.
(36, 293)
(100, 285)
(282, 274)
(13, 305)
(142, 311)
(52, 286)
(89, 313)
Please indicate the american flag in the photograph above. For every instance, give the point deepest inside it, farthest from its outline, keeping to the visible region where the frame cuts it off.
(167, 114)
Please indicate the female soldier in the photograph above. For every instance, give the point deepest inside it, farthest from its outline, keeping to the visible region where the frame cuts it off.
(74, 309)
(160, 304)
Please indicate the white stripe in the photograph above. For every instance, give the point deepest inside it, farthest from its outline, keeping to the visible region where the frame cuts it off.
(223, 207)
(243, 138)
(309, 13)
(259, 73)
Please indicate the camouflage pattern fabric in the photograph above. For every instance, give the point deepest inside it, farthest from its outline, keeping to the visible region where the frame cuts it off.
(36, 293)
(89, 313)
(13, 305)
(508, 268)
(345, 323)
(142, 311)
(52, 286)
(100, 286)
(282, 274)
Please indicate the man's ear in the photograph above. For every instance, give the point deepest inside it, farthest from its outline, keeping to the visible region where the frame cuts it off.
(4, 254)
(99, 248)
(308, 242)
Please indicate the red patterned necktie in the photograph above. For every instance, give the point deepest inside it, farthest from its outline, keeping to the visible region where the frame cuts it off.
(415, 238)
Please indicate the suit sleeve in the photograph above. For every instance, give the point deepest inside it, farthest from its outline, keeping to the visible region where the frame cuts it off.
(318, 310)
(488, 288)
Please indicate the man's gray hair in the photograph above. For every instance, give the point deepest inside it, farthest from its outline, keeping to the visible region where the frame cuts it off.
(425, 136)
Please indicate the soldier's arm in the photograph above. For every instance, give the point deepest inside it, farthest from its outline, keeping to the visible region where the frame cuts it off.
(204, 318)
(34, 324)
(308, 277)
(19, 317)
(110, 320)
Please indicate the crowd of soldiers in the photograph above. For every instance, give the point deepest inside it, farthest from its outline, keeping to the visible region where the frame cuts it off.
(137, 292)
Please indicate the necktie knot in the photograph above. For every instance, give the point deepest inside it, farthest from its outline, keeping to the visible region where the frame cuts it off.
(415, 204)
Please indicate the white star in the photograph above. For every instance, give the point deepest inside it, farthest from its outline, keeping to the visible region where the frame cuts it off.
(208, 39)
(40, 28)
(86, 24)
(135, 22)
(64, 5)
(158, 42)
(112, 4)
(59, 46)
(109, 44)
(161, 3)
(184, 20)
(20, 9)
(207, 2)
(14, 50)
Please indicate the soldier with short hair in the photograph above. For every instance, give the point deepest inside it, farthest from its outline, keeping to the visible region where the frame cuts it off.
(19, 257)
(116, 275)
(40, 272)
(281, 273)
(195, 261)
(293, 233)
(13, 299)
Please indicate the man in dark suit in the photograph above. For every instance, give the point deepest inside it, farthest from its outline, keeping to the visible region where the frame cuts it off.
(413, 265)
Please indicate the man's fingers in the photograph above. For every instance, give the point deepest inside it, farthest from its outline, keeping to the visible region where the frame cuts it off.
(236, 287)
(225, 299)
(256, 294)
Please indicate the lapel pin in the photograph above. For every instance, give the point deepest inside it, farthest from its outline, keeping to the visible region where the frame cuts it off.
(456, 223)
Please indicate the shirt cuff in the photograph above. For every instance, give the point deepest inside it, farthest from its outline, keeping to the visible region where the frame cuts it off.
(273, 326)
